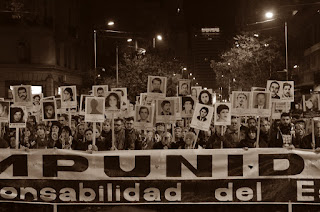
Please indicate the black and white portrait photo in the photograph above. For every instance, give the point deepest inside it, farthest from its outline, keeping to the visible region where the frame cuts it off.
(100, 90)
(22, 95)
(157, 86)
(68, 97)
(49, 110)
(95, 107)
(202, 117)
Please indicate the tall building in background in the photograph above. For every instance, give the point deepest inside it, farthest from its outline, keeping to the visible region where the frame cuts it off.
(206, 46)
(43, 43)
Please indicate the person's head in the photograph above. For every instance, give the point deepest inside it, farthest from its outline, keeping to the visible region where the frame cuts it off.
(100, 92)
(156, 83)
(194, 92)
(31, 120)
(4, 108)
(223, 111)
(65, 132)
(166, 106)
(55, 127)
(49, 110)
(243, 132)
(106, 126)
(67, 94)
(121, 91)
(81, 128)
(187, 103)
(129, 123)
(300, 128)
(264, 126)
(22, 93)
(261, 99)
(286, 89)
(144, 113)
(36, 98)
(205, 97)
(160, 128)
(178, 132)
(184, 88)
(204, 112)
(113, 100)
(17, 114)
(189, 138)
(317, 129)
(252, 133)
(88, 134)
(63, 119)
(252, 122)
(180, 123)
(285, 119)
(234, 124)
(118, 125)
(242, 98)
(166, 139)
(274, 88)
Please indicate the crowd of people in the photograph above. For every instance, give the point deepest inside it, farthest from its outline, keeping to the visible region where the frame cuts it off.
(78, 135)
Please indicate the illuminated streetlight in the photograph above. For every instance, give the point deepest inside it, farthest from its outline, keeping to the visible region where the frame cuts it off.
(295, 66)
(190, 74)
(194, 78)
(256, 35)
(159, 37)
(110, 23)
(184, 69)
(269, 15)
(129, 40)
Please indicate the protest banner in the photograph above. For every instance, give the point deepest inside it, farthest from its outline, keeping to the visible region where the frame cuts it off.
(202, 117)
(220, 176)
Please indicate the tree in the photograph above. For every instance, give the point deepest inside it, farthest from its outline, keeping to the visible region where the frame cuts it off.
(134, 72)
(250, 62)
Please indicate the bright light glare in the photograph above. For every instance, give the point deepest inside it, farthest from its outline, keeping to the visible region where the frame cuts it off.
(184, 69)
(256, 35)
(159, 37)
(269, 14)
(295, 66)
(110, 23)
(129, 40)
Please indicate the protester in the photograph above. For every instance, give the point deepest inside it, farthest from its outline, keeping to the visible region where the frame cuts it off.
(282, 135)
(307, 141)
(132, 141)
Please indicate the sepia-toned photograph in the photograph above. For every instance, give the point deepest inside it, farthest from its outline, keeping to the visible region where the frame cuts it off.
(157, 86)
(94, 110)
(100, 90)
(68, 97)
(202, 117)
(113, 101)
(4, 111)
(22, 95)
(18, 116)
(49, 110)
(222, 114)
(184, 87)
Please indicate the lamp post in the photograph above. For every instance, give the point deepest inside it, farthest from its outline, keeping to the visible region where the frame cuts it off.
(269, 16)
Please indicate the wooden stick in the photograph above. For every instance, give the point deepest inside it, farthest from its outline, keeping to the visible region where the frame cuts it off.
(17, 138)
(239, 126)
(112, 128)
(258, 133)
(94, 133)
(69, 114)
(313, 135)
(197, 131)
(222, 134)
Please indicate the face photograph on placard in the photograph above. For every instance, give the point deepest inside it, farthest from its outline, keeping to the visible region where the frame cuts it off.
(143, 114)
(166, 107)
(113, 101)
(124, 98)
(184, 87)
(274, 88)
(195, 90)
(18, 116)
(311, 102)
(187, 106)
(68, 97)
(22, 94)
(240, 100)
(157, 85)
(205, 97)
(202, 116)
(261, 100)
(287, 90)
(49, 110)
(4, 111)
(95, 107)
(222, 114)
(100, 90)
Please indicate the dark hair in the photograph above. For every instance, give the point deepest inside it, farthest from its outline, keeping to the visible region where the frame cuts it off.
(15, 110)
(242, 94)
(209, 94)
(100, 88)
(165, 102)
(22, 88)
(119, 90)
(69, 90)
(118, 119)
(252, 129)
(114, 95)
(286, 84)
(65, 116)
(185, 84)
(285, 114)
(274, 82)
(45, 104)
(143, 108)
(187, 99)
(301, 122)
(260, 93)
(205, 108)
(251, 118)
(66, 128)
(222, 107)
(156, 79)
(36, 96)
(129, 118)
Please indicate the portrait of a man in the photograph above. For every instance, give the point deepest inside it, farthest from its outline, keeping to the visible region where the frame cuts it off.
(22, 94)
(157, 86)
(144, 114)
(166, 108)
(286, 91)
(241, 101)
(203, 114)
(260, 101)
(274, 88)
(49, 110)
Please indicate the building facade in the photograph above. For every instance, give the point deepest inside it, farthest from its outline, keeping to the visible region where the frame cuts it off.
(43, 43)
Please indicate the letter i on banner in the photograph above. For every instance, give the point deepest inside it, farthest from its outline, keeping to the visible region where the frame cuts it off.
(258, 132)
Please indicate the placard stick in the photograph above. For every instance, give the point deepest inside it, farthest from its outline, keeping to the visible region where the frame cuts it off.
(222, 134)
(17, 138)
(69, 116)
(258, 133)
(239, 126)
(94, 133)
(197, 131)
(112, 128)
(173, 132)
(313, 140)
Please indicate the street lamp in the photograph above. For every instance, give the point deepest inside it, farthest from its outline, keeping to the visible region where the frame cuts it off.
(269, 15)
(158, 37)
(110, 23)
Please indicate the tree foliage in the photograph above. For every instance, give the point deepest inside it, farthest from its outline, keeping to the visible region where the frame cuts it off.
(250, 62)
(134, 72)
